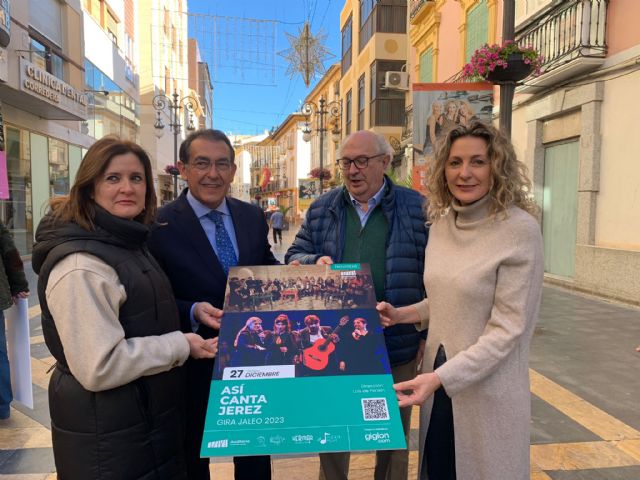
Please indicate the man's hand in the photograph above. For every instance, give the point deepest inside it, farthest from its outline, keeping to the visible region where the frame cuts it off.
(325, 260)
(416, 391)
(295, 263)
(201, 348)
(208, 315)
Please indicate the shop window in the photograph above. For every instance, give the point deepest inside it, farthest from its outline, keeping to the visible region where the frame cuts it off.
(15, 212)
(58, 168)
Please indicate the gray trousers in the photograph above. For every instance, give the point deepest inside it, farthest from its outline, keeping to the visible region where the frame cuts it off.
(390, 464)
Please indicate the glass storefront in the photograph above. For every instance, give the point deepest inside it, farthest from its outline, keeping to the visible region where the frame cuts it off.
(114, 114)
(58, 168)
(16, 212)
(32, 182)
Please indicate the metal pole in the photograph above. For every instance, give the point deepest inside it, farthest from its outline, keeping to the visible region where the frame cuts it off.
(176, 132)
(507, 89)
(321, 131)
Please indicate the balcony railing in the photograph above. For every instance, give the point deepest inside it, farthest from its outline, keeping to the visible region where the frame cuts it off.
(576, 28)
(416, 6)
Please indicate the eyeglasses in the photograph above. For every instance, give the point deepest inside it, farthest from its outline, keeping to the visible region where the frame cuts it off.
(360, 162)
(204, 164)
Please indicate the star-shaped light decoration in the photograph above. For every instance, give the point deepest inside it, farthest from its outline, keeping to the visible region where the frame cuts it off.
(307, 54)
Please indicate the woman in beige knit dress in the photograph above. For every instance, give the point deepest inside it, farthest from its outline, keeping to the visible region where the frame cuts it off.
(483, 276)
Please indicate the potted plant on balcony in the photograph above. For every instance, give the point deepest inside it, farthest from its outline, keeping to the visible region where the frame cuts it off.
(504, 63)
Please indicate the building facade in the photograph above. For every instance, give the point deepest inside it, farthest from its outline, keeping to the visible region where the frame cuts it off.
(277, 163)
(111, 69)
(374, 42)
(572, 126)
(43, 107)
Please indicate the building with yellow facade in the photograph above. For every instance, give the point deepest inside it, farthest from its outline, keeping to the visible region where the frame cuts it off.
(374, 46)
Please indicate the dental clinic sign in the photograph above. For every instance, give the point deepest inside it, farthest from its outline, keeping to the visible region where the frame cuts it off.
(47, 87)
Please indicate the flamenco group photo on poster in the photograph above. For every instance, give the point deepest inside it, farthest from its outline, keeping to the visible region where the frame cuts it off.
(320, 319)
(317, 343)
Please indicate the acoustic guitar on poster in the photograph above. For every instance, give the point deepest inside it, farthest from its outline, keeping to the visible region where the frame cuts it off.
(316, 357)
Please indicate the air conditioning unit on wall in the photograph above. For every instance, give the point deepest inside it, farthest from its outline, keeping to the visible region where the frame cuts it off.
(396, 80)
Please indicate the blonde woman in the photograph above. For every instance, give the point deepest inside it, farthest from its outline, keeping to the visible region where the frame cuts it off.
(483, 275)
(433, 128)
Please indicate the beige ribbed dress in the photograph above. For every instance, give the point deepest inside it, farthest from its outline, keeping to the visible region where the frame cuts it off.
(483, 276)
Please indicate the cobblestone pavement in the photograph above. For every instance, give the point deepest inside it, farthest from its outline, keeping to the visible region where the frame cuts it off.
(584, 384)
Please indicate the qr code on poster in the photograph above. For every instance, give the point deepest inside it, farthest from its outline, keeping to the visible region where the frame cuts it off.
(375, 409)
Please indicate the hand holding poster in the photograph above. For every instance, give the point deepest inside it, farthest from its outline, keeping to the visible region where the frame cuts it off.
(302, 365)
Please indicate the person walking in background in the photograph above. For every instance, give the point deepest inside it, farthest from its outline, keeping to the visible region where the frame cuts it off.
(110, 321)
(371, 220)
(200, 236)
(13, 285)
(483, 272)
(277, 224)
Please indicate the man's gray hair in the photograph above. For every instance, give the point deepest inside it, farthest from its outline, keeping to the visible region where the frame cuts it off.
(382, 145)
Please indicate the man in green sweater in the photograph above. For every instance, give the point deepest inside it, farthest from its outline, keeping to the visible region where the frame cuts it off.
(371, 220)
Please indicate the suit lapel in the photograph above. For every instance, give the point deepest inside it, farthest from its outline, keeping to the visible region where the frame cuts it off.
(241, 228)
(187, 223)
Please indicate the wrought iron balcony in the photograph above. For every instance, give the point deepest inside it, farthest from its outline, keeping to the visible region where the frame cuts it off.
(415, 6)
(571, 37)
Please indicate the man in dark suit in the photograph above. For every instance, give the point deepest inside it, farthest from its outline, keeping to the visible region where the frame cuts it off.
(200, 235)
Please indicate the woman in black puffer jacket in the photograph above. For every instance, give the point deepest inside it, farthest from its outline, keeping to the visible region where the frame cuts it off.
(110, 321)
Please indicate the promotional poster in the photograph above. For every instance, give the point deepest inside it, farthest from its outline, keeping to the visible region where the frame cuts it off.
(302, 365)
(438, 107)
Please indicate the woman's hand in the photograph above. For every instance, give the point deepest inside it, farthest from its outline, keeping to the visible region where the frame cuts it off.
(389, 315)
(208, 315)
(201, 348)
(416, 391)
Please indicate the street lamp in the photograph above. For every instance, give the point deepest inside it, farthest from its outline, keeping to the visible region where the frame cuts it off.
(175, 104)
(322, 109)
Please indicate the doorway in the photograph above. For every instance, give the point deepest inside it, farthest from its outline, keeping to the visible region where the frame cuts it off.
(560, 207)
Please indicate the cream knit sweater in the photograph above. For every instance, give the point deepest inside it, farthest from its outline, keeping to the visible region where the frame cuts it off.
(483, 278)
